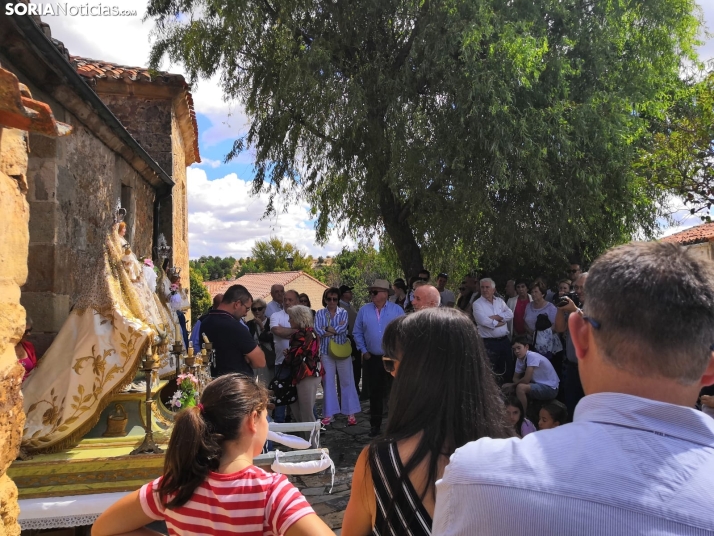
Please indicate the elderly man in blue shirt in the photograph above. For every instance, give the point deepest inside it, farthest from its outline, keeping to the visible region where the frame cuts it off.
(637, 458)
(369, 327)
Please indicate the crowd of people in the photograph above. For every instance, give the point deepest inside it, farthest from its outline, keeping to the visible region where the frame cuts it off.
(476, 439)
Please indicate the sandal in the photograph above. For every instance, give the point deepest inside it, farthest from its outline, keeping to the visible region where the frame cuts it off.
(351, 421)
(326, 421)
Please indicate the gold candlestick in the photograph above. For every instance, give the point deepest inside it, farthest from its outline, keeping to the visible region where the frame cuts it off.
(149, 364)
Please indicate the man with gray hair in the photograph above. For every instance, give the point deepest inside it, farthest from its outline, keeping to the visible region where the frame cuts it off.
(277, 292)
(492, 315)
(637, 458)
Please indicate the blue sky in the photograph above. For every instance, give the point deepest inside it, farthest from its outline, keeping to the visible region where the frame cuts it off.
(224, 219)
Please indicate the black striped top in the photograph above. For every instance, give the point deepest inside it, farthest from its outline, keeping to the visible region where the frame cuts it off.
(397, 503)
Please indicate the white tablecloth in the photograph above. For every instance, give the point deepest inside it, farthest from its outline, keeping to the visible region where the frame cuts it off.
(59, 512)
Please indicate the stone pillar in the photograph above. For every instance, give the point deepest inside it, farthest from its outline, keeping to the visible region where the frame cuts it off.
(14, 239)
(18, 115)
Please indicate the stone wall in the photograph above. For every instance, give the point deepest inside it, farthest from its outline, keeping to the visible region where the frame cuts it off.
(74, 184)
(13, 263)
(148, 120)
(179, 202)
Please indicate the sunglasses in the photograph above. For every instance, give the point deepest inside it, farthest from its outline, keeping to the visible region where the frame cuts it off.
(256, 309)
(375, 292)
(331, 299)
(423, 279)
(573, 271)
(390, 364)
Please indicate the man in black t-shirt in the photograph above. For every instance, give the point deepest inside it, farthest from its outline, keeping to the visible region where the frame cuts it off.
(236, 351)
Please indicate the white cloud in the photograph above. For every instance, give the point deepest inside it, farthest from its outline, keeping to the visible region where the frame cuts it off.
(207, 162)
(224, 219)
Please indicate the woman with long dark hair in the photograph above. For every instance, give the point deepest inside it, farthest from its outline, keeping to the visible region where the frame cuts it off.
(210, 485)
(444, 395)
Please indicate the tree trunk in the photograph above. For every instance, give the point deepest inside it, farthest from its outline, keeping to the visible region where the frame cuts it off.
(401, 234)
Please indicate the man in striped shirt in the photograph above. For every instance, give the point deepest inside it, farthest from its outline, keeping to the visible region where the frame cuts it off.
(638, 459)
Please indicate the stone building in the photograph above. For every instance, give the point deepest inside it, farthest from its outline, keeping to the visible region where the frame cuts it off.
(19, 113)
(259, 286)
(134, 135)
(698, 239)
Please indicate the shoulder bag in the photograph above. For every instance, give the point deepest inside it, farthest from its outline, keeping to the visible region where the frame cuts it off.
(334, 349)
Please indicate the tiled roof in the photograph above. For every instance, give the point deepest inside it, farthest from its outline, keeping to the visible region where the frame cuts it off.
(693, 235)
(97, 69)
(258, 284)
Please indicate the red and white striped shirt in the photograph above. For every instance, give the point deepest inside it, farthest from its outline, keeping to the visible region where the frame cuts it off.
(250, 501)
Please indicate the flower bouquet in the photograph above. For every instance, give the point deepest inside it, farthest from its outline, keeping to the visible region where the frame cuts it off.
(186, 396)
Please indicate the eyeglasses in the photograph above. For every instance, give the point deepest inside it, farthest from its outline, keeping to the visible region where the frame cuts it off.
(594, 323)
(331, 299)
(256, 309)
(390, 364)
(571, 271)
(375, 292)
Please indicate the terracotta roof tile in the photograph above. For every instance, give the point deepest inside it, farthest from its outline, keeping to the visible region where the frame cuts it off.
(258, 284)
(693, 235)
(98, 69)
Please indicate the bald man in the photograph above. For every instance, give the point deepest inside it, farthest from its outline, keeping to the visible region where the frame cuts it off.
(426, 296)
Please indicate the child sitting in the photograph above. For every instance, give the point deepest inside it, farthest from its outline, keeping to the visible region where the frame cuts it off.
(210, 485)
(552, 415)
(517, 417)
(534, 376)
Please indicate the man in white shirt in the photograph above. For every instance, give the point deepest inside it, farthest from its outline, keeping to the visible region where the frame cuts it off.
(534, 375)
(277, 292)
(281, 330)
(492, 315)
(447, 297)
(637, 458)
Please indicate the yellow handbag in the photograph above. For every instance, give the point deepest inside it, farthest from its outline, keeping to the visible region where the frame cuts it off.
(336, 350)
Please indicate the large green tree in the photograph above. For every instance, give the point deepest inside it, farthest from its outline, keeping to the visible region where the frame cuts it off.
(272, 256)
(679, 155)
(200, 298)
(502, 126)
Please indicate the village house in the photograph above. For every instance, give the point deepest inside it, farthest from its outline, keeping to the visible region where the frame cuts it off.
(259, 286)
(135, 133)
(698, 239)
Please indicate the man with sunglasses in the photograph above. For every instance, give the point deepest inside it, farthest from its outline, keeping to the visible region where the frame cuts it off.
(637, 458)
(372, 319)
(236, 351)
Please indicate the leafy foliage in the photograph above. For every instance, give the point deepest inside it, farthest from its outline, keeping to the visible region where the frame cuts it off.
(200, 299)
(272, 256)
(494, 126)
(214, 268)
(680, 153)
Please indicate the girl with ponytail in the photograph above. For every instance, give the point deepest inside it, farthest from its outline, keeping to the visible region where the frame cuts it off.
(210, 485)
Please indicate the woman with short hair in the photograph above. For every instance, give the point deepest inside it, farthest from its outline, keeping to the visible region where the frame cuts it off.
(303, 358)
(259, 327)
(444, 395)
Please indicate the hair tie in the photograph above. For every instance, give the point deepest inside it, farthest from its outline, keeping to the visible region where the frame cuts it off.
(200, 407)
